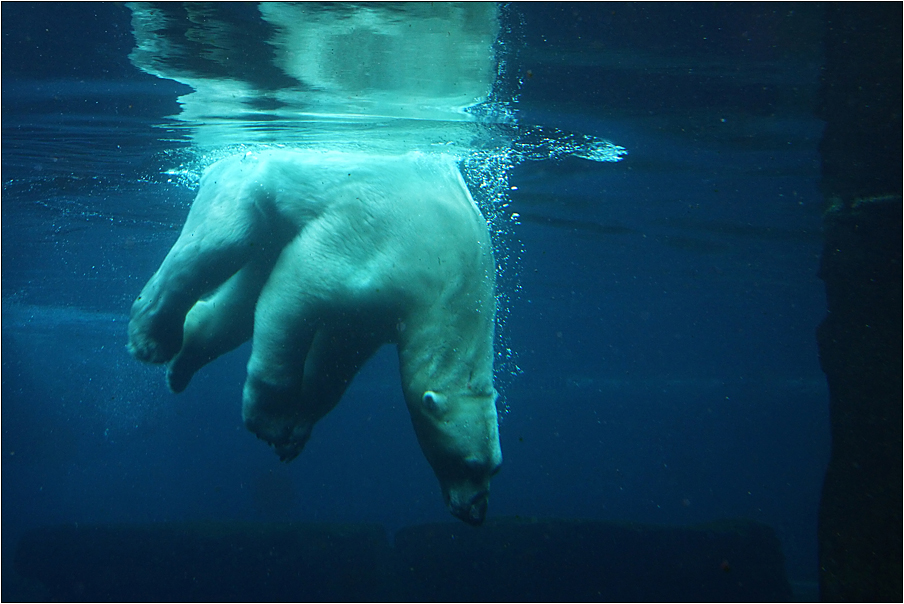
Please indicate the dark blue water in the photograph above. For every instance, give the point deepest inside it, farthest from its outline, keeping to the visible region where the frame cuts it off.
(662, 309)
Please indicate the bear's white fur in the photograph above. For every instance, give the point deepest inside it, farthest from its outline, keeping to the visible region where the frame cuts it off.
(322, 257)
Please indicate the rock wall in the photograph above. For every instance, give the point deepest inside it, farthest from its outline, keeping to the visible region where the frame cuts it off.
(860, 340)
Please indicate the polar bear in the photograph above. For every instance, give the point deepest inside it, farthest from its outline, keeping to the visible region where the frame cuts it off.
(320, 258)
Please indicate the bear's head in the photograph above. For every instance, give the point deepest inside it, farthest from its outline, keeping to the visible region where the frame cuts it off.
(459, 435)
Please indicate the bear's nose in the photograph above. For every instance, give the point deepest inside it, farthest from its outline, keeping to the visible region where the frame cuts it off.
(472, 511)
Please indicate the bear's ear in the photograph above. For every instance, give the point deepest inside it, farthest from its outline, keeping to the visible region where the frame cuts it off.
(434, 401)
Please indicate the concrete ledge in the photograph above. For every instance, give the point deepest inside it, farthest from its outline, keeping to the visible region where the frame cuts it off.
(514, 559)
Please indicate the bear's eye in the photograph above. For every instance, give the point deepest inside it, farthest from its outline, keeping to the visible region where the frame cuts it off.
(433, 401)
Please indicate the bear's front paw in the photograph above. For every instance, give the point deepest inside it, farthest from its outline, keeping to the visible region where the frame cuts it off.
(145, 348)
(181, 370)
(153, 338)
(288, 442)
(289, 451)
(272, 413)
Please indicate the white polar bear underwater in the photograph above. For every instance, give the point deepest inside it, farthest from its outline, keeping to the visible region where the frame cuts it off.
(321, 258)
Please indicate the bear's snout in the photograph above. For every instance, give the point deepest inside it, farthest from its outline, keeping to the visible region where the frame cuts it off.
(473, 509)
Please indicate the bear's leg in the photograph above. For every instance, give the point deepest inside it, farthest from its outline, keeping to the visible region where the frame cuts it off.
(285, 323)
(332, 363)
(301, 363)
(224, 230)
(218, 324)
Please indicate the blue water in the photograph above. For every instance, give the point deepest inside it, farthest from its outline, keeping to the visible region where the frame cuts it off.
(661, 309)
